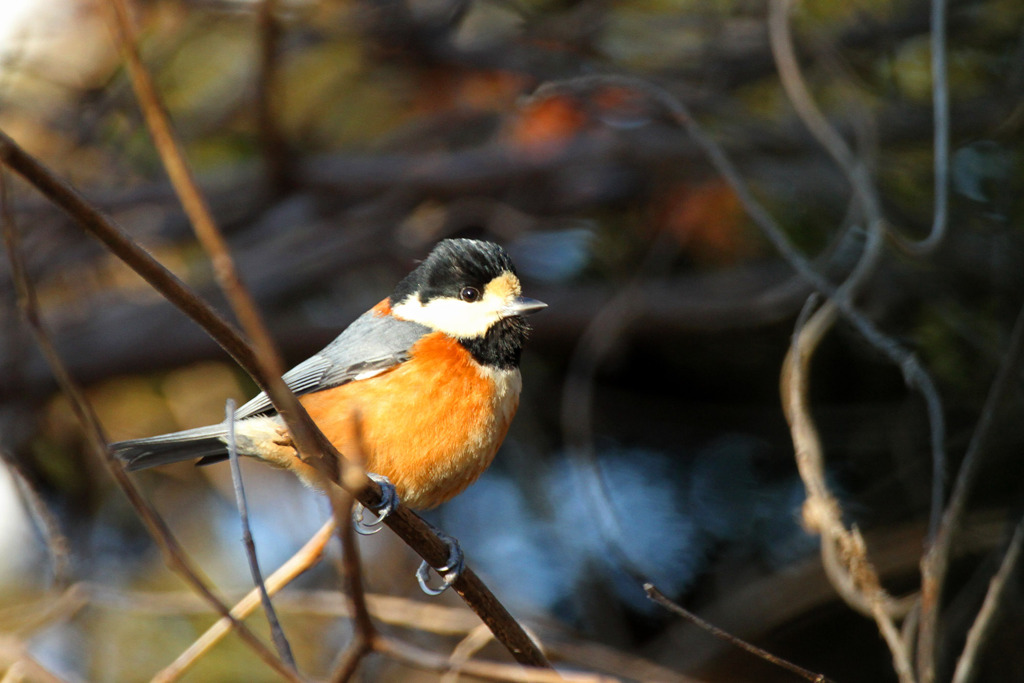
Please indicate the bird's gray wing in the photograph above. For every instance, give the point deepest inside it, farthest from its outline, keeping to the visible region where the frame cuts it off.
(367, 347)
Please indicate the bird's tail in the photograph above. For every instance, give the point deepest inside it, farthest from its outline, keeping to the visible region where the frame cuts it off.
(205, 443)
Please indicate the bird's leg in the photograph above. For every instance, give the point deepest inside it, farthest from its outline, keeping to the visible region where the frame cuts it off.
(450, 572)
(388, 503)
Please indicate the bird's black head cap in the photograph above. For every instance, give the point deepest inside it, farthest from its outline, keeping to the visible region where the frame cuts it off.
(452, 265)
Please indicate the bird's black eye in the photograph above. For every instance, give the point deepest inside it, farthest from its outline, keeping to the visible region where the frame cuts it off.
(469, 294)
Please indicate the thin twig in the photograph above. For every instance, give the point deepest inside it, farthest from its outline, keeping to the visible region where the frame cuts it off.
(472, 643)
(935, 563)
(364, 632)
(36, 615)
(940, 144)
(20, 665)
(840, 297)
(276, 632)
(856, 172)
(173, 553)
(843, 551)
(300, 562)
(793, 83)
(426, 660)
(984, 622)
(310, 442)
(657, 596)
(272, 143)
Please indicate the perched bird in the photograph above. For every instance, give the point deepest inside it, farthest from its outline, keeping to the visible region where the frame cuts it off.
(420, 389)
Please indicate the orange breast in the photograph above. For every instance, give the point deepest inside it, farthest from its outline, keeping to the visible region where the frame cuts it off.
(431, 424)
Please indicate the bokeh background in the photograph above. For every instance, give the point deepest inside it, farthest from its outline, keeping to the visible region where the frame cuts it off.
(650, 435)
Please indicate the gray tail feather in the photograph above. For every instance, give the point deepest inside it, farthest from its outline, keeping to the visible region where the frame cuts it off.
(205, 443)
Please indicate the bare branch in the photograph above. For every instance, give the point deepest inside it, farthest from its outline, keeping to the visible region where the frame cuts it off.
(843, 551)
(272, 143)
(364, 632)
(306, 557)
(276, 633)
(161, 534)
(657, 596)
(307, 437)
(940, 144)
(22, 666)
(492, 671)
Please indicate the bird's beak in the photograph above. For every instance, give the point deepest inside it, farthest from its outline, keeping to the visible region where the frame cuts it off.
(522, 305)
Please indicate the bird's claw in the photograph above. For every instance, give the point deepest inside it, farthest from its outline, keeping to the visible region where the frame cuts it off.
(449, 573)
(387, 505)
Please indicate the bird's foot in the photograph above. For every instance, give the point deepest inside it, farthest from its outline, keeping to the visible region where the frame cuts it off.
(387, 505)
(449, 573)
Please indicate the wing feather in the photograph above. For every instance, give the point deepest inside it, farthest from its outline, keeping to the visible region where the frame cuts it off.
(369, 346)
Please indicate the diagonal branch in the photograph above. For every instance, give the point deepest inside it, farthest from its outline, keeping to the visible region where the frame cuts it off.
(657, 596)
(173, 553)
(966, 666)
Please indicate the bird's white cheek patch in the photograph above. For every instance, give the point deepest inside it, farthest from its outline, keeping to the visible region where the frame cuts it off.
(459, 318)
(451, 316)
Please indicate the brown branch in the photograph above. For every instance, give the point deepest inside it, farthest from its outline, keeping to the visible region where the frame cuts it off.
(657, 596)
(844, 553)
(272, 142)
(307, 438)
(364, 632)
(174, 555)
(841, 298)
(470, 645)
(44, 612)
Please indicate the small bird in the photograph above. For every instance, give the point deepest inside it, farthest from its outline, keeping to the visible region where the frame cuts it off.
(421, 389)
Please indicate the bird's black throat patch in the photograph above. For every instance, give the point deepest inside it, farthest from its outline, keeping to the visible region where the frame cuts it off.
(502, 345)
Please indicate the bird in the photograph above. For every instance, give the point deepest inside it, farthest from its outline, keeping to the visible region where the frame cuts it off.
(420, 390)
